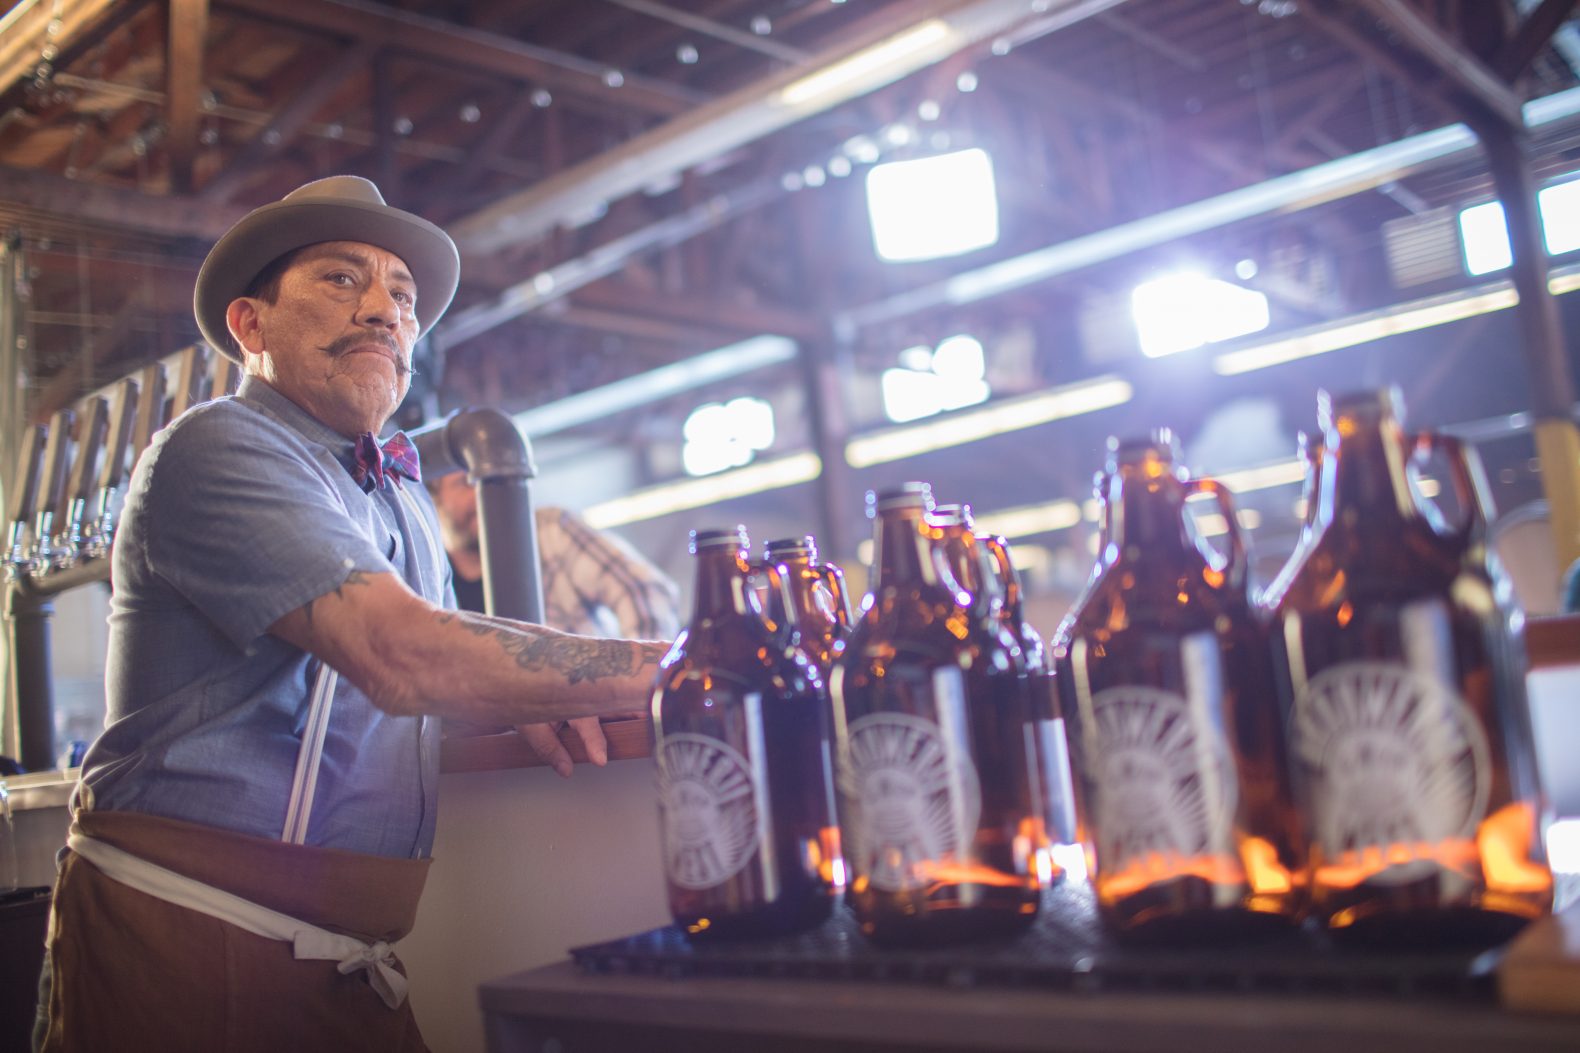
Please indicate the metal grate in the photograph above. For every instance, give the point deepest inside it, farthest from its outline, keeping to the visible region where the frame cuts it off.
(1065, 950)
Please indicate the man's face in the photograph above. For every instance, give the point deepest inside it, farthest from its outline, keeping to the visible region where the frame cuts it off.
(337, 340)
(456, 503)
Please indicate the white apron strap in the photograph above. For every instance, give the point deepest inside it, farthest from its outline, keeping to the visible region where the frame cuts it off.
(308, 942)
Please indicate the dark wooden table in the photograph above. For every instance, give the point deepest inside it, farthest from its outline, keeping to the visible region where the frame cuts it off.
(562, 1009)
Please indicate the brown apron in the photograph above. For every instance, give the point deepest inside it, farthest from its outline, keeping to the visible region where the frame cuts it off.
(133, 972)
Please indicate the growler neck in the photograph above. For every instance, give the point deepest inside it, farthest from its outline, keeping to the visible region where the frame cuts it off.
(1147, 517)
(905, 549)
(722, 587)
(1363, 468)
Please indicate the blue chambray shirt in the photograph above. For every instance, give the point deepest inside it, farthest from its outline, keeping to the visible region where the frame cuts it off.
(238, 513)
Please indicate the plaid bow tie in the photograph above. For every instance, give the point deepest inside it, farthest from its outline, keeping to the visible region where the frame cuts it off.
(374, 464)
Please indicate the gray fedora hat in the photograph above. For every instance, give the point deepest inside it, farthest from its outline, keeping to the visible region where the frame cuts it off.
(339, 208)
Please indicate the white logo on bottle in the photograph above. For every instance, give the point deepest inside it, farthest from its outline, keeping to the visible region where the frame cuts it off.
(1385, 756)
(1164, 783)
(913, 798)
(709, 811)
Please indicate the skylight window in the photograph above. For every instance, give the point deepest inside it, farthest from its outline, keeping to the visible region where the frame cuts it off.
(722, 435)
(931, 381)
(1484, 231)
(933, 206)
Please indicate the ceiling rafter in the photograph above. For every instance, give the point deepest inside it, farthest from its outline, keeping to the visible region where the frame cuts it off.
(470, 48)
(1521, 49)
(186, 32)
(743, 116)
(1452, 60)
(305, 101)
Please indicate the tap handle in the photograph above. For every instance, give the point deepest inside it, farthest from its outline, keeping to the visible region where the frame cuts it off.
(24, 490)
(118, 435)
(90, 449)
(52, 477)
(191, 380)
(150, 408)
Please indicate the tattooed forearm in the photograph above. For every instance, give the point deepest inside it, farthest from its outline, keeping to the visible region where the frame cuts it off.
(578, 658)
(356, 577)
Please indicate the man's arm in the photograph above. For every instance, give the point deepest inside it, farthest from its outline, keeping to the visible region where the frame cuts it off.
(412, 657)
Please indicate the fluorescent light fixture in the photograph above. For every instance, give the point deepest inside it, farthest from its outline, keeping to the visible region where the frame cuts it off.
(870, 67)
(1264, 476)
(971, 425)
(1375, 325)
(667, 498)
(656, 384)
(933, 206)
(1178, 312)
(1029, 519)
(1484, 233)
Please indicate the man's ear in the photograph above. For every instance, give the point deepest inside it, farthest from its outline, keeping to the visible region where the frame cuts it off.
(245, 323)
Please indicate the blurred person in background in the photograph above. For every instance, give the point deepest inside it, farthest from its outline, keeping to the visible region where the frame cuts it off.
(593, 582)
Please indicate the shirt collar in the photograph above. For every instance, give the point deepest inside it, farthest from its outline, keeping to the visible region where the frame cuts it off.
(257, 390)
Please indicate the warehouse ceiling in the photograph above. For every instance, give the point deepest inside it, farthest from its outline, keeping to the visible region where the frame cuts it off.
(634, 182)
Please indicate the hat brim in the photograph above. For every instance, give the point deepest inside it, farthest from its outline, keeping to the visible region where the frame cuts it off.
(266, 234)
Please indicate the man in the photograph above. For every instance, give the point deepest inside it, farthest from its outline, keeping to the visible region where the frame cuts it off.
(592, 582)
(254, 823)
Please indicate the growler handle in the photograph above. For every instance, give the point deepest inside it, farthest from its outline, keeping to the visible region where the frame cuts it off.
(780, 617)
(1235, 559)
(1465, 475)
(834, 580)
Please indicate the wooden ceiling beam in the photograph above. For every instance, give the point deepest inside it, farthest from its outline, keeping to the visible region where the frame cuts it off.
(700, 312)
(13, 92)
(1483, 88)
(471, 49)
(185, 34)
(1516, 55)
(930, 32)
(30, 31)
(642, 326)
(305, 101)
(1369, 50)
(114, 207)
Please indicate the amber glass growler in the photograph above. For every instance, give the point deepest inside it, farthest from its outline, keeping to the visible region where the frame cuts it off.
(1058, 800)
(1168, 699)
(1401, 669)
(807, 598)
(987, 570)
(744, 782)
(936, 784)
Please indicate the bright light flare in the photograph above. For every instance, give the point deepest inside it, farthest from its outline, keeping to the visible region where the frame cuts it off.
(933, 206)
(1178, 312)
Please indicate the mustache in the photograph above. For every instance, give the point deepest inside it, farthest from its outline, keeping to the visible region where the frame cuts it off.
(345, 343)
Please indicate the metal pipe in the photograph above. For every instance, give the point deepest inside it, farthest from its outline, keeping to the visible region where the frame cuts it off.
(1541, 335)
(497, 459)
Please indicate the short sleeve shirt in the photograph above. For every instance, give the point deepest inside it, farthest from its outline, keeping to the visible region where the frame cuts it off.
(240, 512)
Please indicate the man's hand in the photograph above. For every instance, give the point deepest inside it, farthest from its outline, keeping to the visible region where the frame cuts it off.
(545, 742)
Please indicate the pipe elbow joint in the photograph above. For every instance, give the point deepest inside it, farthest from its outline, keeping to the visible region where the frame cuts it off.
(487, 444)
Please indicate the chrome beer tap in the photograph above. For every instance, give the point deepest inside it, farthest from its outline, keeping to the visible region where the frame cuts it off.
(69, 525)
(51, 491)
(24, 502)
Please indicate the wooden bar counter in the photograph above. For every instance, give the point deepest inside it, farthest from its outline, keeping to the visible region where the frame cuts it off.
(559, 1007)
